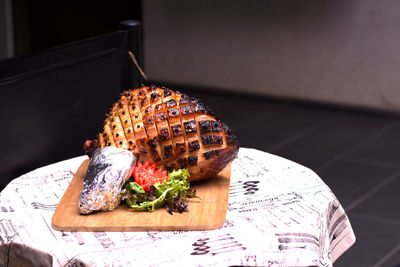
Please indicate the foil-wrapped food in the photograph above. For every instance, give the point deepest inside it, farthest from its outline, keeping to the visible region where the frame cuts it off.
(163, 126)
(108, 170)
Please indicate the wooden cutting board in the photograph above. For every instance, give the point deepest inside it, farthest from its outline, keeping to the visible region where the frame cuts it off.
(205, 213)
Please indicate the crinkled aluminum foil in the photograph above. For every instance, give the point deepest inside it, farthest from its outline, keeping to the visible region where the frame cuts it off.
(108, 170)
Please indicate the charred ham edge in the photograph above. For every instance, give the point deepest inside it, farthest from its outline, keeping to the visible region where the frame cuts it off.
(170, 128)
(89, 146)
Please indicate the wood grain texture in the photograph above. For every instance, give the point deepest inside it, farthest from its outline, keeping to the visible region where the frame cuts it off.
(206, 213)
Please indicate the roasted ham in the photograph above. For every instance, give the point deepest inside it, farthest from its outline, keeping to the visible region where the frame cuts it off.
(170, 128)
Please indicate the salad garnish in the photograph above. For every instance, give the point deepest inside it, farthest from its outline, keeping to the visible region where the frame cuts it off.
(151, 188)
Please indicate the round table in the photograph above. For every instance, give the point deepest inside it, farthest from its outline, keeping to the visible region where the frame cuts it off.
(279, 214)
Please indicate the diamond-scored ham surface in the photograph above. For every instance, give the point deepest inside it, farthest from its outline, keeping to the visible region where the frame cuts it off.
(170, 128)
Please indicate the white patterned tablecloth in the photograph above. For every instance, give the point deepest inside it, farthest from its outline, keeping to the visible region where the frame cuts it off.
(280, 214)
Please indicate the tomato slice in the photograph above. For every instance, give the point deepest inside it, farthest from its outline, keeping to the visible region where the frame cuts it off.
(147, 174)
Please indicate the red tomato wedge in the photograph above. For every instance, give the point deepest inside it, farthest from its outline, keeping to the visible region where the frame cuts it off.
(146, 175)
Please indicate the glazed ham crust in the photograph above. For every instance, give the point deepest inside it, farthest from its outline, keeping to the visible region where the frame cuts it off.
(170, 128)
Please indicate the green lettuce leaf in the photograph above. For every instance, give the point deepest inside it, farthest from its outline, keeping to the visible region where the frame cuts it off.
(149, 205)
(173, 194)
(180, 174)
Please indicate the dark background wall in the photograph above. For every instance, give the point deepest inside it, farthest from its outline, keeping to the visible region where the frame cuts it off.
(43, 24)
(54, 95)
(343, 52)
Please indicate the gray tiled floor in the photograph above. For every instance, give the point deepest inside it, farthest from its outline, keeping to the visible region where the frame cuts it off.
(356, 153)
